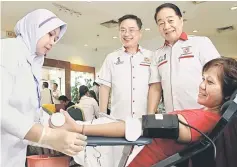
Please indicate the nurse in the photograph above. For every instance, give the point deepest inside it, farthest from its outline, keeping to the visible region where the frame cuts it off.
(176, 67)
(22, 60)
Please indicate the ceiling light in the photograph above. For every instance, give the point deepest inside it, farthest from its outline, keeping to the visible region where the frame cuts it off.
(147, 29)
(195, 30)
(115, 37)
(233, 8)
(85, 45)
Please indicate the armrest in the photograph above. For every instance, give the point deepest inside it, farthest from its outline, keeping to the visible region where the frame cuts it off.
(115, 141)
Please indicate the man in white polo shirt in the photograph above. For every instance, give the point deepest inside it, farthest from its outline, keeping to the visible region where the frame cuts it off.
(126, 72)
(176, 67)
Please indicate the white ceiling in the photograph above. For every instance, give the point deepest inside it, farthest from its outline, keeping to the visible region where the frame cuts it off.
(204, 17)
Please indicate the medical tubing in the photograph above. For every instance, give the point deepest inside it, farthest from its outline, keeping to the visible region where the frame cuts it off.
(213, 144)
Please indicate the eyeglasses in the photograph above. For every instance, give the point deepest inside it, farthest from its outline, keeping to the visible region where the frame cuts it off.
(129, 31)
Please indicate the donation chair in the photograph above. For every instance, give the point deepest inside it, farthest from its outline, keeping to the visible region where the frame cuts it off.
(76, 113)
(201, 153)
(118, 141)
(196, 152)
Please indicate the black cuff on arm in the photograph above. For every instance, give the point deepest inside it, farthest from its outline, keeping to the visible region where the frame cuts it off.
(160, 126)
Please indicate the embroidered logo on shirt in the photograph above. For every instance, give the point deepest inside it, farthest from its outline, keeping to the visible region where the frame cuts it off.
(186, 53)
(162, 60)
(146, 62)
(119, 61)
(186, 50)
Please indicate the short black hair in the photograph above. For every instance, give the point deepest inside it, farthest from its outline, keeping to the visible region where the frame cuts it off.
(133, 17)
(63, 98)
(55, 84)
(92, 93)
(168, 5)
(95, 83)
(45, 84)
(83, 90)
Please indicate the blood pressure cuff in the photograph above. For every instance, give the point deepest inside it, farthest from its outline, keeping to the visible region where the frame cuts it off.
(160, 126)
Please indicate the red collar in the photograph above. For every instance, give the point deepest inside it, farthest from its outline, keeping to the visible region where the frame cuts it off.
(182, 37)
(138, 49)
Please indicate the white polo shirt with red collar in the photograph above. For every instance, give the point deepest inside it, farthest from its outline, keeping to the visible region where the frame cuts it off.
(179, 69)
(128, 76)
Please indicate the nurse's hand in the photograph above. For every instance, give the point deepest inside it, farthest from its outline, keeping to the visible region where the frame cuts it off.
(69, 143)
(70, 124)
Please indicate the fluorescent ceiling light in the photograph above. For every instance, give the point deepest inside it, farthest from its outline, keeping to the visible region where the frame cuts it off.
(233, 8)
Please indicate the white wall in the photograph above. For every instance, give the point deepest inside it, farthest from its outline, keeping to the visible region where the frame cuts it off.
(3, 34)
(76, 56)
(226, 46)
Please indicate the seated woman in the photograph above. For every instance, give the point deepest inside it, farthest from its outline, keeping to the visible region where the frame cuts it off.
(93, 95)
(88, 104)
(219, 82)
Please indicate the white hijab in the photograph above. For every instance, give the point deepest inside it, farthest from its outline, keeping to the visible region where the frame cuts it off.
(31, 28)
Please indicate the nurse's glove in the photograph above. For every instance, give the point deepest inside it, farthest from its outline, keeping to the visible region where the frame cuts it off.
(69, 143)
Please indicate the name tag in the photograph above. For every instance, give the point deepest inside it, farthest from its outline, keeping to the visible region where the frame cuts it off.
(159, 116)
